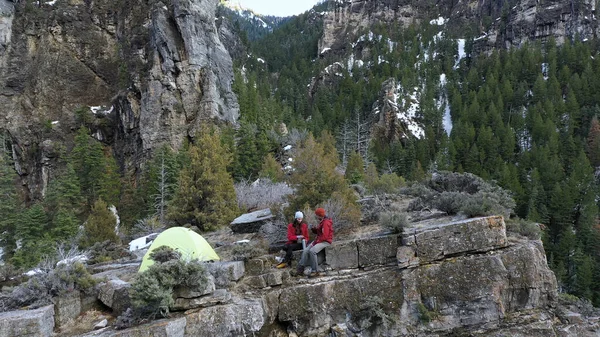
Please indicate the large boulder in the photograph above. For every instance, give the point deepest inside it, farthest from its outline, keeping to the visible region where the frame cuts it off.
(27, 323)
(251, 222)
(160, 328)
(476, 290)
(220, 296)
(67, 307)
(451, 239)
(342, 255)
(241, 318)
(226, 273)
(115, 295)
(314, 307)
(377, 251)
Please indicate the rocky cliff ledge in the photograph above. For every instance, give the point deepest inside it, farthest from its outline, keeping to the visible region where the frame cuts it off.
(461, 278)
(494, 24)
(138, 73)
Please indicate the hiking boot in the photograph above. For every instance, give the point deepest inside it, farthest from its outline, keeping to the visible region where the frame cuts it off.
(314, 274)
(281, 265)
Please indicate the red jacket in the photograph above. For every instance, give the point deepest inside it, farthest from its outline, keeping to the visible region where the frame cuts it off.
(292, 234)
(324, 231)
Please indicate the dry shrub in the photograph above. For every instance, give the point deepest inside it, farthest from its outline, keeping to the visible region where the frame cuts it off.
(147, 226)
(526, 228)
(262, 193)
(247, 251)
(394, 221)
(388, 183)
(343, 211)
(461, 193)
(46, 284)
(152, 290)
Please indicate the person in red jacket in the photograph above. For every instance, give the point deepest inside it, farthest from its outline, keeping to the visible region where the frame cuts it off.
(324, 239)
(297, 232)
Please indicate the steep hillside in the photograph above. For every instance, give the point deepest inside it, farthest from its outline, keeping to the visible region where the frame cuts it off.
(415, 87)
(137, 74)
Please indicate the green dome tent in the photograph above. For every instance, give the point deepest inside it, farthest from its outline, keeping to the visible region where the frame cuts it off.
(190, 244)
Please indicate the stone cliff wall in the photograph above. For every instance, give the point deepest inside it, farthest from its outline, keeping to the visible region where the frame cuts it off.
(498, 24)
(157, 71)
(449, 278)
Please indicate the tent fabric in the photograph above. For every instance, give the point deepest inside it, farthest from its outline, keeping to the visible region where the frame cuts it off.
(190, 244)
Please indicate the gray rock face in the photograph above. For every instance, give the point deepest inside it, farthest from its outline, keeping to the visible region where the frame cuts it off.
(160, 71)
(316, 307)
(454, 277)
(525, 20)
(185, 292)
(188, 83)
(27, 323)
(67, 307)
(220, 296)
(241, 318)
(161, 328)
(225, 273)
(472, 235)
(115, 295)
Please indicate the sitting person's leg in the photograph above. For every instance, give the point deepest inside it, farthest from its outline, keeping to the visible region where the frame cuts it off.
(290, 248)
(313, 255)
(304, 259)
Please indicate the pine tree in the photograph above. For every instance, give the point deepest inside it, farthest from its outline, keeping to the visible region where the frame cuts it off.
(64, 225)
(64, 193)
(371, 177)
(33, 239)
(205, 197)
(247, 163)
(10, 205)
(33, 224)
(593, 142)
(271, 169)
(109, 184)
(316, 180)
(100, 225)
(355, 169)
(87, 158)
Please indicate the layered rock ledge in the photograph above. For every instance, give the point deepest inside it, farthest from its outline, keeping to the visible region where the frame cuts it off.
(454, 278)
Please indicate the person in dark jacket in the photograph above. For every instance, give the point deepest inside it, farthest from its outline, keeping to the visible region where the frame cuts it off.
(297, 232)
(324, 232)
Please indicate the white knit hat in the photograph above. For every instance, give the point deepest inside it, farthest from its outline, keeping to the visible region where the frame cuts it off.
(299, 215)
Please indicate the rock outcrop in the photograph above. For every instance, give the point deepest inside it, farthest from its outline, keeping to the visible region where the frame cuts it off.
(38, 322)
(138, 74)
(446, 278)
(500, 24)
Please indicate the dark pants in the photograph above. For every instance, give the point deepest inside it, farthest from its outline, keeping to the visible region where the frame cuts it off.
(290, 248)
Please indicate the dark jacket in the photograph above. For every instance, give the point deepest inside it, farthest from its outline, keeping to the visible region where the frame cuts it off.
(293, 232)
(324, 231)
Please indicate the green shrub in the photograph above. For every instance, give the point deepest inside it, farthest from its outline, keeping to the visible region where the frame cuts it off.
(464, 193)
(245, 252)
(526, 228)
(163, 254)
(107, 251)
(7, 272)
(567, 299)
(396, 222)
(152, 290)
(43, 286)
